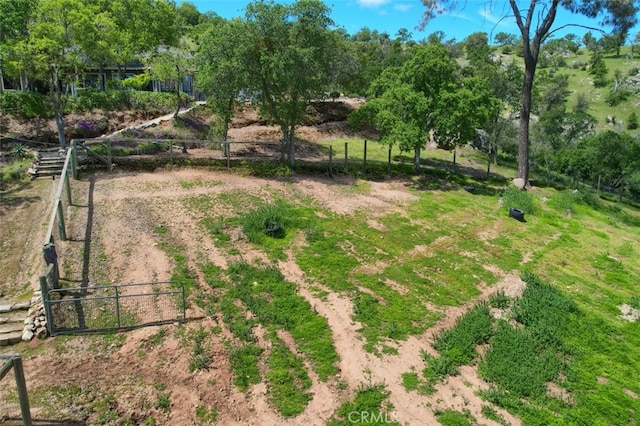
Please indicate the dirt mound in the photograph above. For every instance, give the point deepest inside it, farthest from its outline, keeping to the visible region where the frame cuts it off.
(329, 118)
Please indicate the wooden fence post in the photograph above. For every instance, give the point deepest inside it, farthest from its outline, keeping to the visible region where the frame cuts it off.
(22, 390)
(389, 162)
(330, 160)
(109, 156)
(346, 157)
(364, 163)
(67, 186)
(60, 216)
(15, 361)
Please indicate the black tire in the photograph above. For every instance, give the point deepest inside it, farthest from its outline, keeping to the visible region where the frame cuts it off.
(517, 214)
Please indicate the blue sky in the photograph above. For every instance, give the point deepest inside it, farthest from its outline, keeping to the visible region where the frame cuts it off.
(391, 15)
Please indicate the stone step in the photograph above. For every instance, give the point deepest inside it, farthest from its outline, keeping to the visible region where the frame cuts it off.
(11, 338)
(11, 333)
(51, 163)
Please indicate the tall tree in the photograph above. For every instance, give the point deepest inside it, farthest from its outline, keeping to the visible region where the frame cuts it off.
(221, 71)
(289, 57)
(535, 24)
(57, 46)
(14, 21)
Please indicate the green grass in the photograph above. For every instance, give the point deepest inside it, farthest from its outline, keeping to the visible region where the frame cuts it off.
(288, 381)
(275, 304)
(244, 364)
(368, 407)
(457, 345)
(455, 418)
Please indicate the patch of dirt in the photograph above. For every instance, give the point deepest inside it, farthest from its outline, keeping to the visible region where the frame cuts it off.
(24, 217)
(629, 313)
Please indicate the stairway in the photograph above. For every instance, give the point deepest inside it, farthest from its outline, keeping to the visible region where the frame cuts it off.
(12, 322)
(50, 163)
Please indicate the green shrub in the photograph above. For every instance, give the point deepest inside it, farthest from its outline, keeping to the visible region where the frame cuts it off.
(499, 300)
(616, 97)
(368, 405)
(458, 343)
(545, 311)
(25, 104)
(516, 363)
(514, 197)
(200, 355)
(632, 121)
(564, 200)
(265, 220)
(244, 363)
(164, 402)
(454, 418)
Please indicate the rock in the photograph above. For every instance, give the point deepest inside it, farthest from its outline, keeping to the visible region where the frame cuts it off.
(519, 183)
(27, 335)
(41, 332)
(5, 308)
(22, 305)
(28, 321)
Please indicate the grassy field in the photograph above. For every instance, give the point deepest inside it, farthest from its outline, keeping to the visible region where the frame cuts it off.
(562, 354)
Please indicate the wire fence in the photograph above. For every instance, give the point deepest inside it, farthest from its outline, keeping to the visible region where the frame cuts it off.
(334, 157)
(114, 307)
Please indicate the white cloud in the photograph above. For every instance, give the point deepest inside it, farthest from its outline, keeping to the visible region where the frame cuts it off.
(403, 7)
(372, 3)
(488, 16)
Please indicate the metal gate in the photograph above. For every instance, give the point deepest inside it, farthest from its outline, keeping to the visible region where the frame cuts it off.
(114, 307)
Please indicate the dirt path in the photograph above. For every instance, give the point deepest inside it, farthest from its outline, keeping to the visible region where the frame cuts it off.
(124, 212)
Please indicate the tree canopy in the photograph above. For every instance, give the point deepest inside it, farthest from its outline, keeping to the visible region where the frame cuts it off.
(535, 23)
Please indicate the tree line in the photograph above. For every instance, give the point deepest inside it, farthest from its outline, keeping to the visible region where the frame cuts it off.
(283, 56)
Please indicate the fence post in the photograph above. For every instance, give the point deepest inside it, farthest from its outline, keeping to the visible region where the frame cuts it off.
(330, 160)
(22, 390)
(44, 290)
(67, 186)
(346, 157)
(60, 216)
(227, 148)
(51, 258)
(598, 193)
(184, 303)
(364, 163)
(389, 162)
(109, 157)
(117, 306)
(74, 159)
(171, 152)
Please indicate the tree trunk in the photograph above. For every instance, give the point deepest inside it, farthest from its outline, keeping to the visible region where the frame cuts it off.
(292, 147)
(178, 103)
(416, 160)
(525, 115)
(531, 50)
(60, 124)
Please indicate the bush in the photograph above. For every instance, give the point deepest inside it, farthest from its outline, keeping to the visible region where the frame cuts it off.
(514, 197)
(616, 97)
(472, 328)
(515, 362)
(544, 310)
(265, 220)
(632, 121)
(25, 104)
